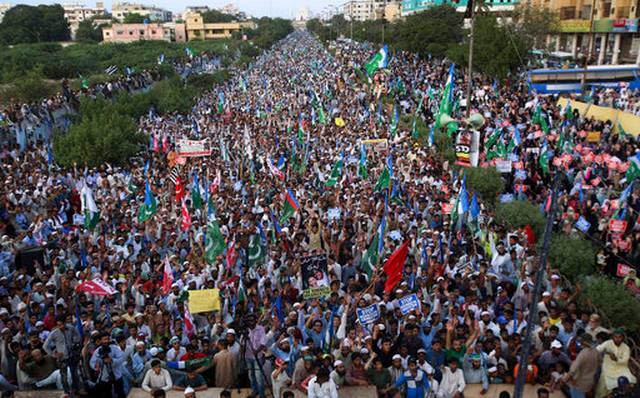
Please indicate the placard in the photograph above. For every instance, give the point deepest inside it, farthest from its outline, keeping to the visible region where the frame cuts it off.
(409, 303)
(583, 225)
(504, 166)
(593, 136)
(189, 148)
(379, 144)
(204, 300)
(315, 277)
(368, 314)
(623, 270)
(617, 226)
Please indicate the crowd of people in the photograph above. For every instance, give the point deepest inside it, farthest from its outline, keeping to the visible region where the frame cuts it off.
(288, 228)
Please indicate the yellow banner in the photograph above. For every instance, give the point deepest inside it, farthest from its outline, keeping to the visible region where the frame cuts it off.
(204, 300)
(339, 122)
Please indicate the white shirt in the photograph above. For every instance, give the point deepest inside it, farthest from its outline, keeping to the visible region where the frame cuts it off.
(452, 382)
(326, 390)
(154, 381)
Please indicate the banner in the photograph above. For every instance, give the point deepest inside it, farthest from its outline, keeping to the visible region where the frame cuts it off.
(368, 314)
(463, 149)
(189, 148)
(206, 300)
(593, 136)
(379, 144)
(409, 303)
(315, 277)
(617, 226)
(96, 286)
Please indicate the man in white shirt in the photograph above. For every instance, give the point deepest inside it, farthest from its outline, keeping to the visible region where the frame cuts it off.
(157, 378)
(321, 386)
(452, 384)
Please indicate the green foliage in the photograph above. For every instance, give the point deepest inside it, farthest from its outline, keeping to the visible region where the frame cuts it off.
(618, 306)
(519, 213)
(133, 18)
(213, 16)
(31, 87)
(430, 32)
(29, 24)
(172, 96)
(102, 135)
(269, 31)
(497, 49)
(88, 59)
(207, 81)
(534, 23)
(89, 33)
(486, 182)
(574, 257)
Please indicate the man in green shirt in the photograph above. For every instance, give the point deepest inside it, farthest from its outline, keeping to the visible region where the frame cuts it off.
(41, 368)
(191, 379)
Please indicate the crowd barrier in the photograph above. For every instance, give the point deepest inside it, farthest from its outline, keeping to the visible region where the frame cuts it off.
(472, 391)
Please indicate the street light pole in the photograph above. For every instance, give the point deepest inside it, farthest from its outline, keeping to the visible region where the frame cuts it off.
(470, 76)
(583, 81)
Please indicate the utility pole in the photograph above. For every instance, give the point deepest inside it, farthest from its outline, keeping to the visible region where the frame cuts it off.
(537, 291)
(470, 76)
(583, 82)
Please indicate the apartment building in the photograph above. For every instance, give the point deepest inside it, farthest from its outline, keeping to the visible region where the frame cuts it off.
(615, 29)
(197, 29)
(153, 13)
(414, 6)
(364, 10)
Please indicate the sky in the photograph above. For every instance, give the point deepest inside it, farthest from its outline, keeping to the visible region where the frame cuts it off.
(257, 8)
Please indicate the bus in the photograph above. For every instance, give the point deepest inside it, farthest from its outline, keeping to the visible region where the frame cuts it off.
(568, 81)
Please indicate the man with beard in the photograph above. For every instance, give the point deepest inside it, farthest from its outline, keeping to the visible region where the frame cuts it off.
(339, 373)
(42, 369)
(474, 373)
(63, 344)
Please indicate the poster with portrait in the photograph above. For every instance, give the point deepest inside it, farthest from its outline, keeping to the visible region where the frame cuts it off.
(315, 277)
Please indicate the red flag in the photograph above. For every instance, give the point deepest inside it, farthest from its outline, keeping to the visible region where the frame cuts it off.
(186, 218)
(394, 266)
(165, 143)
(167, 277)
(188, 322)
(531, 236)
(96, 286)
(179, 190)
(231, 255)
(155, 143)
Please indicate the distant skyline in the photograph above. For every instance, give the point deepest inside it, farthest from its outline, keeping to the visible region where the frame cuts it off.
(257, 8)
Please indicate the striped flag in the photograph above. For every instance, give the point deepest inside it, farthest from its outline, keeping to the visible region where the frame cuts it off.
(111, 70)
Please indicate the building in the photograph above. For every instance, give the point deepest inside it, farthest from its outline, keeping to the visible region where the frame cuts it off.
(75, 13)
(152, 13)
(197, 29)
(4, 7)
(127, 33)
(615, 29)
(413, 6)
(365, 10)
(200, 9)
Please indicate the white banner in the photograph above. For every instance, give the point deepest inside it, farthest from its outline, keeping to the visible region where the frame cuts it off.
(189, 148)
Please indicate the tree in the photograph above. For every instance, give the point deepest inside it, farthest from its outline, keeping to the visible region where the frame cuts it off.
(29, 88)
(89, 32)
(533, 24)
(213, 16)
(616, 303)
(100, 136)
(28, 24)
(432, 31)
(574, 257)
(518, 214)
(486, 182)
(133, 18)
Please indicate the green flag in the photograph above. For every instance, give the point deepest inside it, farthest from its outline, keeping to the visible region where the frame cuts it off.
(215, 243)
(91, 212)
(369, 261)
(633, 171)
(544, 160)
(540, 120)
(196, 198)
(621, 132)
(336, 173)
(383, 180)
(150, 205)
(84, 82)
(256, 251)
(379, 61)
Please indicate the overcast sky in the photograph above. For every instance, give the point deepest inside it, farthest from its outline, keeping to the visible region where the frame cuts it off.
(258, 8)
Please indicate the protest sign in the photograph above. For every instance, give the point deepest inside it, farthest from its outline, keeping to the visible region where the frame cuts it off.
(204, 300)
(504, 166)
(368, 314)
(617, 226)
(315, 279)
(409, 303)
(623, 270)
(583, 225)
(190, 148)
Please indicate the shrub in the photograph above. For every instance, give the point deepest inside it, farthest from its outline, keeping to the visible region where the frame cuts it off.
(172, 96)
(99, 137)
(519, 213)
(486, 182)
(619, 306)
(574, 257)
(30, 88)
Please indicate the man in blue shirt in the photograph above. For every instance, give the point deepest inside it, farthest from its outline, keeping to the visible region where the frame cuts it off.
(108, 362)
(414, 380)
